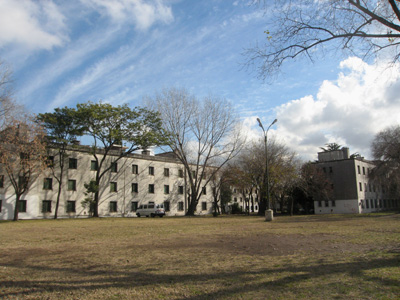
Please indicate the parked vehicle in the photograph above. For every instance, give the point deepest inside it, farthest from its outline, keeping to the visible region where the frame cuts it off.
(150, 210)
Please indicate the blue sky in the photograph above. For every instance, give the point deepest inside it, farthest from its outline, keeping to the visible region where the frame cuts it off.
(119, 51)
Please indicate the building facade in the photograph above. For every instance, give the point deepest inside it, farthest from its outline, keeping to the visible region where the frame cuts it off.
(353, 190)
(132, 180)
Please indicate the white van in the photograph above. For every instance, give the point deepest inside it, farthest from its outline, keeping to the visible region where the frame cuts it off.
(151, 210)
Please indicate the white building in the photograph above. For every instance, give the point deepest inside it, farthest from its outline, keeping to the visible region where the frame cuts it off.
(353, 191)
(133, 180)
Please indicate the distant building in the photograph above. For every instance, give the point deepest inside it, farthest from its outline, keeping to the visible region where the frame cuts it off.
(353, 191)
(132, 180)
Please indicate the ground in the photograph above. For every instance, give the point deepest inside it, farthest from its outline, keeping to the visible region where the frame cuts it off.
(304, 257)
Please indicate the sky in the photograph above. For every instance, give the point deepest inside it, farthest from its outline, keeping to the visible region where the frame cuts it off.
(120, 51)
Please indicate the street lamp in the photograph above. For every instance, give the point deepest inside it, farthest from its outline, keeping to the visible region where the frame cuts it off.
(266, 159)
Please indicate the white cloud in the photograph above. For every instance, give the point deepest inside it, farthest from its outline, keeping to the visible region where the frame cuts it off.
(34, 24)
(350, 110)
(142, 13)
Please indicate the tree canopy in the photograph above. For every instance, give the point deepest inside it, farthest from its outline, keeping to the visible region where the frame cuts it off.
(310, 29)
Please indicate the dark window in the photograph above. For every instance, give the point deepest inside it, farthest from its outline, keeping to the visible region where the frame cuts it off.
(358, 170)
(180, 173)
(326, 203)
(94, 165)
(1, 181)
(151, 188)
(372, 203)
(324, 169)
(135, 169)
(360, 185)
(135, 188)
(50, 161)
(71, 207)
(113, 206)
(48, 184)
(166, 189)
(46, 206)
(151, 170)
(134, 205)
(71, 185)
(204, 190)
(180, 189)
(367, 203)
(330, 170)
(1, 203)
(180, 206)
(363, 170)
(319, 203)
(333, 203)
(166, 206)
(73, 163)
(376, 203)
(114, 167)
(166, 172)
(113, 186)
(22, 206)
(203, 205)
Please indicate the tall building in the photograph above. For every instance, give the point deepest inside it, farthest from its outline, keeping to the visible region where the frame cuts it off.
(133, 180)
(353, 191)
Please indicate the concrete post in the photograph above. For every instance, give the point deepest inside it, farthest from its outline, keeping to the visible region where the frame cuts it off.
(269, 215)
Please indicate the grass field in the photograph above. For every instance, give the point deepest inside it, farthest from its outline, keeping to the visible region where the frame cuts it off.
(302, 257)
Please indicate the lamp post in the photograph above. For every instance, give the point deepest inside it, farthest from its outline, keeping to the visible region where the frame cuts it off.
(269, 215)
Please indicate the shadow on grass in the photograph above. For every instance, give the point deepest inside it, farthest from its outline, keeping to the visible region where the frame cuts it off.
(104, 276)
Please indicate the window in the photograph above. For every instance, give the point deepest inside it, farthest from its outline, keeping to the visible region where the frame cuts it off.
(50, 161)
(358, 170)
(71, 207)
(94, 166)
(367, 203)
(71, 185)
(204, 190)
(151, 188)
(166, 206)
(319, 203)
(23, 182)
(180, 189)
(113, 206)
(333, 203)
(135, 169)
(1, 181)
(22, 206)
(114, 167)
(113, 186)
(135, 187)
(46, 206)
(1, 203)
(180, 206)
(324, 169)
(73, 163)
(151, 170)
(180, 173)
(330, 170)
(194, 174)
(166, 172)
(360, 185)
(363, 170)
(376, 203)
(48, 184)
(203, 205)
(372, 203)
(326, 203)
(166, 189)
(134, 205)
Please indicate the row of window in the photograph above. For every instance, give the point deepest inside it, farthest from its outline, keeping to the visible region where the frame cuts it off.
(113, 206)
(370, 187)
(333, 203)
(376, 203)
(363, 170)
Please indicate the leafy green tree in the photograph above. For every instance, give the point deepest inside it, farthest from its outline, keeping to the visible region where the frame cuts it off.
(62, 130)
(119, 130)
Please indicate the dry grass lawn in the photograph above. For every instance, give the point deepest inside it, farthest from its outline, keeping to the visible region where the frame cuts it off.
(303, 257)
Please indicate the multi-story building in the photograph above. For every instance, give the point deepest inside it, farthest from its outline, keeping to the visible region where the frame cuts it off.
(133, 180)
(353, 191)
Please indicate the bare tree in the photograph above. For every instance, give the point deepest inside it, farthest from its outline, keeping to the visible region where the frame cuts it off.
(7, 103)
(386, 152)
(309, 28)
(201, 133)
(22, 155)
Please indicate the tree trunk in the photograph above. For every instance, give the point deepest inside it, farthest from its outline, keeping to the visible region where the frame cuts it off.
(96, 205)
(58, 196)
(17, 197)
